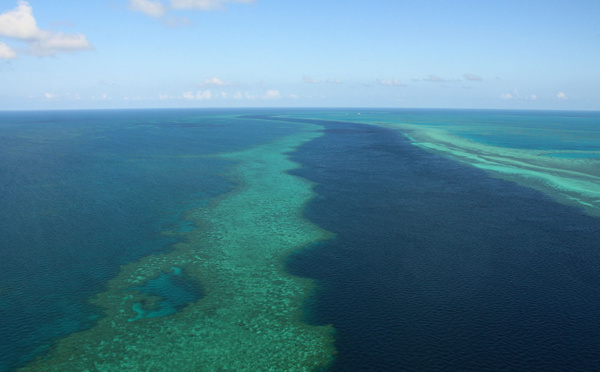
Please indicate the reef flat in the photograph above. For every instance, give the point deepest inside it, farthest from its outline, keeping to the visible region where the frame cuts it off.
(564, 164)
(570, 180)
(250, 317)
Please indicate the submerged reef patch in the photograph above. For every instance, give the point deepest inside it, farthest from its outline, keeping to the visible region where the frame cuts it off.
(561, 159)
(250, 315)
(570, 180)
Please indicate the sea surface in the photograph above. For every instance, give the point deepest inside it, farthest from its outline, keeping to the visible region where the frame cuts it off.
(431, 264)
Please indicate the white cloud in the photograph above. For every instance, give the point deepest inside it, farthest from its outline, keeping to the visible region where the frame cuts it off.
(269, 94)
(51, 43)
(391, 82)
(203, 95)
(517, 95)
(204, 4)
(561, 95)
(272, 94)
(199, 95)
(159, 9)
(49, 96)
(20, 24)
(435, 79)
(214, 81)
(150, 8)
(472, 77)
(7, 52)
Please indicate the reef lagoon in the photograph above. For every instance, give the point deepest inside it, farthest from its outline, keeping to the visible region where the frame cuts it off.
(299, 240)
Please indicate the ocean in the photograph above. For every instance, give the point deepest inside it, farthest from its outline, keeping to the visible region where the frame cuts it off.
(308, 239)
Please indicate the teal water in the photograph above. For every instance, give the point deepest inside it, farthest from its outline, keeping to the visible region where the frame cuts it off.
(84, 192)
(434, 264)
(174, 290)
(573, 155)
(530, 130)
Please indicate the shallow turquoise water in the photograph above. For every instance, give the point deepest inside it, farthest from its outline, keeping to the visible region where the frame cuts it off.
(573, 155)
(173, 288)
(83, 192)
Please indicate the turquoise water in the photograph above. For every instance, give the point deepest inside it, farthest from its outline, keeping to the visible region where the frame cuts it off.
(539, 130)
(174, 290)
(84, 192)
(573, 155)
(434, 266)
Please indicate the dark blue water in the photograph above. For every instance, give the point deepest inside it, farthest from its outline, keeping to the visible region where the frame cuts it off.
(83, 192)
(522, 129)
(439, 267)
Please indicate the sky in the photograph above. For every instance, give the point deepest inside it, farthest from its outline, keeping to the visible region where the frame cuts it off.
(97, 54)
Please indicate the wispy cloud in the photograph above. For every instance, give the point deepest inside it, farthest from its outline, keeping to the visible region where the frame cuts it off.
(472, 77)
(391, 82)
(435, 79)
(160, 9)
(150, 8)
(516, 94)
(561, 95)
(269, 94)
(216, 82)
(309, 80)
(199, 95)
(20, 24)
(7, 52)
(272, 94)
(204, 4)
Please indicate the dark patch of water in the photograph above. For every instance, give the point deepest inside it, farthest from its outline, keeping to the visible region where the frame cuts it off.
(439, 267)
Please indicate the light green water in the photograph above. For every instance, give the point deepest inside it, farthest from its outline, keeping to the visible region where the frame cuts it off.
(574, 181)
(250, 318)
(570, 176)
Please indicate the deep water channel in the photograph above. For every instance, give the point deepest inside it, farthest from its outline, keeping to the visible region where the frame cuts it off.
(438, 266)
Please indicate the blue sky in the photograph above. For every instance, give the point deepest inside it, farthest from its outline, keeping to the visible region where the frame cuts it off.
(65, 54)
